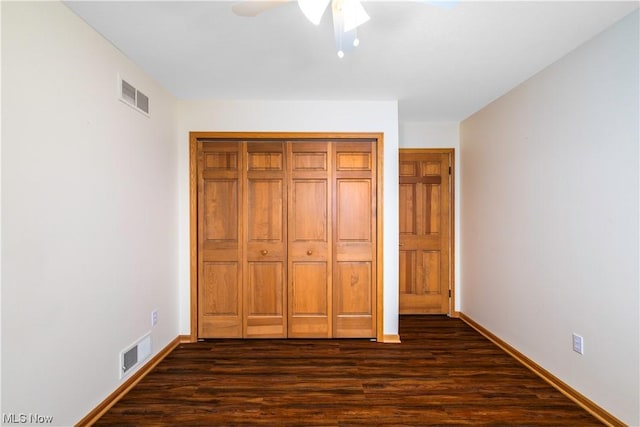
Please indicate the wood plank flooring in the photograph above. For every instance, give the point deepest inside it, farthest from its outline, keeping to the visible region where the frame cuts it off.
(443, 373)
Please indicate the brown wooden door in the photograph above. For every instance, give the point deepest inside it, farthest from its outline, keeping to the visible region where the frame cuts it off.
(219, 186)
(286, 238)
(425, 232)
(354, 231)
(309, 251)
(265, 269)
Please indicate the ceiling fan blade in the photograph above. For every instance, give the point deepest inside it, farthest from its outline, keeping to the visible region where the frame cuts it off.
(313, 9)
(255, 7)
(353, 14)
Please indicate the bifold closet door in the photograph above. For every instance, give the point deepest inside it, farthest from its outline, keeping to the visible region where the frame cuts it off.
(265, 268)
(286, 239)
(354, 239)
(309, 249)
(219, 190)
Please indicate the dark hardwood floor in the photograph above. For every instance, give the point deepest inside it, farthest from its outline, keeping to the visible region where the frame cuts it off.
(443, 373)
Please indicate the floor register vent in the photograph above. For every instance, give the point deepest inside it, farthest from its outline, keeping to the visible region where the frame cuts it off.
(135, 354)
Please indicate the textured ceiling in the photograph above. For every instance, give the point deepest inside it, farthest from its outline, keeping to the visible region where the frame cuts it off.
(440, 63)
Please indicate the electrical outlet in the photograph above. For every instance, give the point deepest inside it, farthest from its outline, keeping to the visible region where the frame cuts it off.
(154, 318)
(578, 343)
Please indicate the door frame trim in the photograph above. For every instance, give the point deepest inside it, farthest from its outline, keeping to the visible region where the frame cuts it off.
(377, 137)
(452, 225)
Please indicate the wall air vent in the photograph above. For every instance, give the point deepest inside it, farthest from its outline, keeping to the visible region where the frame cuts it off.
(133, 355)
(132, 96)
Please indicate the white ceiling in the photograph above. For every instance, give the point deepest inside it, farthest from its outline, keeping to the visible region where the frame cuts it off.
(441, 64)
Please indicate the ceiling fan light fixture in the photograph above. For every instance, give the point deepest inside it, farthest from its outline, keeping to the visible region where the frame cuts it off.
(313, 9)
(354, 14)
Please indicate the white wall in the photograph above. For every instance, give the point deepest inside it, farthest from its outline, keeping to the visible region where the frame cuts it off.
(440, 135)
(550, 218)
(89, 214)
(297, 116)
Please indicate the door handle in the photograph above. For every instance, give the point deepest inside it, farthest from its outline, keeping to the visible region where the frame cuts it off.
(309, 252)
(264, 252)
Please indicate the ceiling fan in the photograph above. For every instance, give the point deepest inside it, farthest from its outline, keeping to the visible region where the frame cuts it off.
(348, 15)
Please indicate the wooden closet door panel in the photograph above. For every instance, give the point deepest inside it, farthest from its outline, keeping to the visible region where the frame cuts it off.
(219, 187)
(309, 248)
(354, 229)
(265, 203)
(265, 268)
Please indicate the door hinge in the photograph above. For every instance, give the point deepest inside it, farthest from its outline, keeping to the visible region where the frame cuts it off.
(449, 293)
(449, 170)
